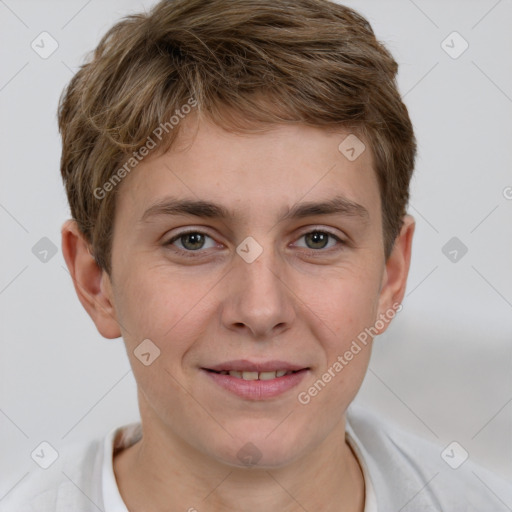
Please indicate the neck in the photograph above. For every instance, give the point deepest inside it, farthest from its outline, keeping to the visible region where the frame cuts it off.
(162, 469)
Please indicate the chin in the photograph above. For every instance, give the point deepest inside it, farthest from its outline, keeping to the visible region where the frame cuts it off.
(259, 451)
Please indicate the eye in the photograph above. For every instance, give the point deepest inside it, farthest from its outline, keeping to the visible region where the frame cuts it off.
(319, 240)
(192, 241)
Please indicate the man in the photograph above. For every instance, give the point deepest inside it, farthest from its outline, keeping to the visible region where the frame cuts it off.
(238, 176)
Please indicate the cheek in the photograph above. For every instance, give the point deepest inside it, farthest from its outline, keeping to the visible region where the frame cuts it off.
(161, 305)
(155, 306)
(343, 303)
(343, 311)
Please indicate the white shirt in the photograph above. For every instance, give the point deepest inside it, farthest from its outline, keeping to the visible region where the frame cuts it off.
(401, 471)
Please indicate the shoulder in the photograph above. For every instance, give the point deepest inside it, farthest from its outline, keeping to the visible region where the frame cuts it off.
(72, 482)
(413, 473)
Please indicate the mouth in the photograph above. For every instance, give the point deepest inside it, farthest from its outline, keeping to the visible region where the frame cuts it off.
(256, 381)
(254, 375)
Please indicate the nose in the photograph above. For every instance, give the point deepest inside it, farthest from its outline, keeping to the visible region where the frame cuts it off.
(258, 300)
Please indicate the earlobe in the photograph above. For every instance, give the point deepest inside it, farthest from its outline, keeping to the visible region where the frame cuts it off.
(397, 269)
(92, 284)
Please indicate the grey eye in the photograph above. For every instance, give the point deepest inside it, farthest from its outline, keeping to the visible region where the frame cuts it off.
(192, 241)
(318, 240)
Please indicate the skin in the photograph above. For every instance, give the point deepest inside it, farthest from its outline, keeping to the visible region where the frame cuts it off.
(297, 302)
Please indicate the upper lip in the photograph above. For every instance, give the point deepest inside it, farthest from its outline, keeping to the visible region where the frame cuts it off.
(244, 365)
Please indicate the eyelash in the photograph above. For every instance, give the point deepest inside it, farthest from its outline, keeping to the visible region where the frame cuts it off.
(200, 252)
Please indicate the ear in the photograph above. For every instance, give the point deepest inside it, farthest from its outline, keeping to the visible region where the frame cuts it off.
(394, 279)
(92, 284)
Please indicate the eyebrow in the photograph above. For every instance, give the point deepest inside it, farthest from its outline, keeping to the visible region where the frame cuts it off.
(197, 208)
(206, 209)
(336, 205)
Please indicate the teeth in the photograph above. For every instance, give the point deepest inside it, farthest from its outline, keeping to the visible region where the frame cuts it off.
(256, 375)
(268, 375)
(250, 375)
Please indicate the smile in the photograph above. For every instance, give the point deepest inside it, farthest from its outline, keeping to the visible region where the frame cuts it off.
(255, 375)
(254, 383)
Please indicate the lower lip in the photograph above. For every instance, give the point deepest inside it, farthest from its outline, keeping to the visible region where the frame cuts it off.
(257, 389)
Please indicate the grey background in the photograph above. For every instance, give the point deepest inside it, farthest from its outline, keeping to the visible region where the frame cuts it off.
(443, 369)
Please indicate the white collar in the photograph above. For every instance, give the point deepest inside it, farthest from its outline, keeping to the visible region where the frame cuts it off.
(118, 438)
(123, 437)
(370, 499)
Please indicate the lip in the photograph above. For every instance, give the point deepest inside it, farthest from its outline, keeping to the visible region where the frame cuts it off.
(256, 390)
(244, 365)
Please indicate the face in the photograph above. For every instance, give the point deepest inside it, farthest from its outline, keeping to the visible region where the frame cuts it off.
(255, 254)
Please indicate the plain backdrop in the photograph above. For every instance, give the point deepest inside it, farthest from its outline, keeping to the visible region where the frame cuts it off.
(444, 367)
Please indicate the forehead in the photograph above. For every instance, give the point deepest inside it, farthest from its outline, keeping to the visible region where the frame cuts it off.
(256, 172)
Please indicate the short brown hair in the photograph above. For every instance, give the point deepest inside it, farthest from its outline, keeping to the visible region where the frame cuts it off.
(246, 64)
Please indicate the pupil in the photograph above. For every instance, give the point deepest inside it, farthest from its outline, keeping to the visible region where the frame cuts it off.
(318, 240)
(192, 241)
